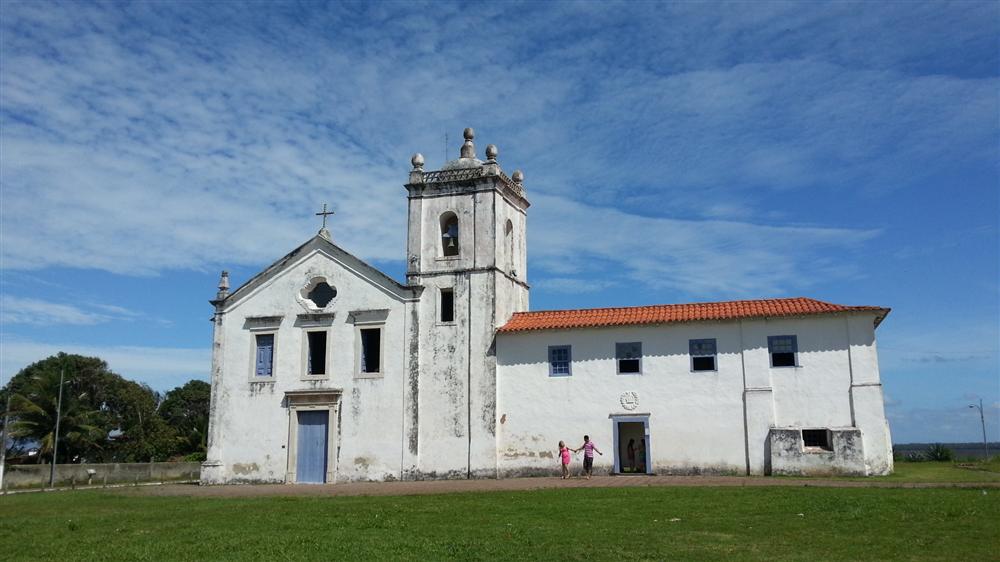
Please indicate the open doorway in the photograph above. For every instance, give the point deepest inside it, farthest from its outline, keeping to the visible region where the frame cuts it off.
(632, 445)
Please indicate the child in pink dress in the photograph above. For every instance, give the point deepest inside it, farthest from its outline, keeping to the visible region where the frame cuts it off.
(564, 459)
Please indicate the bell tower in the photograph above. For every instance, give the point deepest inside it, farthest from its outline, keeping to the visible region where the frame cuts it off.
(466, 246)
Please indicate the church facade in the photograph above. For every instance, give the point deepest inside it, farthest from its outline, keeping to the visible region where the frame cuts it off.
(324, 369)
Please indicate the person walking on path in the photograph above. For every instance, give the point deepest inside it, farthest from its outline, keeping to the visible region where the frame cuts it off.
(564, 459)
(588, 449)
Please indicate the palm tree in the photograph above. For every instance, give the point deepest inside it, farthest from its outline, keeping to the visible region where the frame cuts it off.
(34, 411)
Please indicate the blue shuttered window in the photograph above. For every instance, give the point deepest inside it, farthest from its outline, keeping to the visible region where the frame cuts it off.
(560, 358)
(265, 355)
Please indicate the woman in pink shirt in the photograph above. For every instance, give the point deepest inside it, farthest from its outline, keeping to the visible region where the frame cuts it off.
(564, 459)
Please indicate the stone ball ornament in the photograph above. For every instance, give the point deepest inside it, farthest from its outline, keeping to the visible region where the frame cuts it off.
(517, 176)
(468, 133)
(492, 151)
(417, 161)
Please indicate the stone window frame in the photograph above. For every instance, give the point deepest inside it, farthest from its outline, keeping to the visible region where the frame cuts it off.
(314, 322)
(715, 355)
(306, 375)
(254, 332)
(569, 361)
(358, 348)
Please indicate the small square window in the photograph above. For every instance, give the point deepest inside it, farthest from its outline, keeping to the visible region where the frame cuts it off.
(447, 305)
(702, 354)
(816, 439)
(560, 359)
(371, 350)
(782, 350)
(629, 357)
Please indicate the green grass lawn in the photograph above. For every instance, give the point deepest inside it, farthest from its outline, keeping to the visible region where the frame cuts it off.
(976, 471)
(674, 523)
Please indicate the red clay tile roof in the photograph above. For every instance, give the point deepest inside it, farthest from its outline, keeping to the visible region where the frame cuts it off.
(669, 313)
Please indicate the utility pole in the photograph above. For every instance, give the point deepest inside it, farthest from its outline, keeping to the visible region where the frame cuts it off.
(982, 421)
(55, 436)
(3, 438)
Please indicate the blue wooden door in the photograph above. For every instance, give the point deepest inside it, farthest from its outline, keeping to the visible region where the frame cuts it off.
(310, 464)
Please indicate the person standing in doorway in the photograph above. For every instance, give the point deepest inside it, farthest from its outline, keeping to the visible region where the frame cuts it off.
(564, 459)
(588, 449)
(630, 452)
(642, 456)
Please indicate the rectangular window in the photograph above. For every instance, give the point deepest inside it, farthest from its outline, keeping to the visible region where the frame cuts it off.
(316, 353)
(782, 350)
(816, 439)
(371, 350)
(702, 354)
(447, 305)
(629, 357)
(265, 355)
(560, 357)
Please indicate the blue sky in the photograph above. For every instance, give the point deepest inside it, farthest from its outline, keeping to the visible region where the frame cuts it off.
(672, 153)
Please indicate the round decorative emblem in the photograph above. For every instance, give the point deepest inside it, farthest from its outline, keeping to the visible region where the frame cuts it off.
(629, 400)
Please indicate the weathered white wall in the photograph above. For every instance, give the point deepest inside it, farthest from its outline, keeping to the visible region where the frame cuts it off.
(250, 419)
(457, 383)
(696, 418)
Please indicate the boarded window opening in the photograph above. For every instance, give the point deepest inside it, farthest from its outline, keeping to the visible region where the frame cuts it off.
(782, 350)
(317, 353)
(371, 352)
(447, 305)
(629, 356)
(322, 294)
(816, 439)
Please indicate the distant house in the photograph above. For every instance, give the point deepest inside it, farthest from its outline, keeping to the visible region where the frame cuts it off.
(325, 369)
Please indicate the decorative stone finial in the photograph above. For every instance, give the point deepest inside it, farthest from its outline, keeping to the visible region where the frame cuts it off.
(492, 152)
(468, 149)
(517, 176)
(223, 285)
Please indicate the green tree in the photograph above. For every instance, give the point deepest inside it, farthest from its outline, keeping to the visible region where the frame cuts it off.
(96, 401)
(34, 405)
(185, 409)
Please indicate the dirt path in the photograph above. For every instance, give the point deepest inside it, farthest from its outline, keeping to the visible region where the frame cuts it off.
(511, 484)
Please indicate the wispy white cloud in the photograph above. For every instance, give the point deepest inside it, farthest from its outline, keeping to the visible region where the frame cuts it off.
(32, 311)
(162, 368)
(188, 146)
(707, 257)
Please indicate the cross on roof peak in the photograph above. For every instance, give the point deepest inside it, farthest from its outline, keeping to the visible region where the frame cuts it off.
(324, 213)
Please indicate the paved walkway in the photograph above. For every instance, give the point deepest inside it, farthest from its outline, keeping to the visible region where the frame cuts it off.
(511, 484)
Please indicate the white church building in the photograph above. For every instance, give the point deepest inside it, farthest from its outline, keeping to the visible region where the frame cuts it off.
(324, 369)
